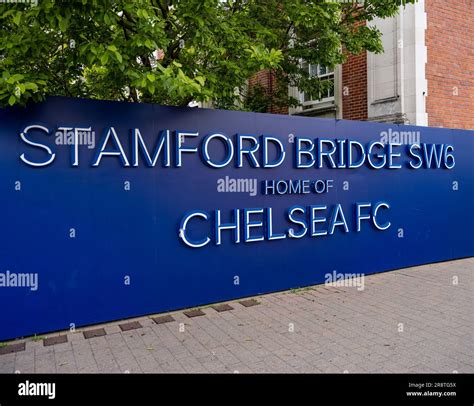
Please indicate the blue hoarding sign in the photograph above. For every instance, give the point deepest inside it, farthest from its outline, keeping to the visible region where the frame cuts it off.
(111, 210)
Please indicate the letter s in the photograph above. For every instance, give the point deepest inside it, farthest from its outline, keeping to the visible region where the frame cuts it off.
(36, 144)
(415, 154)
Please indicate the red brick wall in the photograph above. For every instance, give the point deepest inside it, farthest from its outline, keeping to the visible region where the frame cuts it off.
(260, 78)
(450, 67)
(268, 80)
(354, 87)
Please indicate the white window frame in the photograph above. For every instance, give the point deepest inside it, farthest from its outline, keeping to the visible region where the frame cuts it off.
(324, 99)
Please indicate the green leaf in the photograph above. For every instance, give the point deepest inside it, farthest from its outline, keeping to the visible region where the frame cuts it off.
(12, 100)
(201, 80)
(63, 24)
(15, 78)
(149, 44)
(7, 13)
(17, 18)
(142, 13)
(104, 58)
(31, 86)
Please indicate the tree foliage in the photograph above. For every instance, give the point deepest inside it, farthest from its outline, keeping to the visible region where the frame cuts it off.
(176, 51)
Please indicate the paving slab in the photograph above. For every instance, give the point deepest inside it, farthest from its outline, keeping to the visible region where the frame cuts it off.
(413, 320)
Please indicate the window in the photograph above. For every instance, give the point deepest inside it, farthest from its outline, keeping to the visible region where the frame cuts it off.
(324, 74)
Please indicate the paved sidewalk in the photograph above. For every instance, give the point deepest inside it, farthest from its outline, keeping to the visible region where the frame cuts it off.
(418, 319)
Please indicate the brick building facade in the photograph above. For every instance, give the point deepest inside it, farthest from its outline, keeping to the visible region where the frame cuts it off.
(354, 88)
(424, 77)
(450, 69)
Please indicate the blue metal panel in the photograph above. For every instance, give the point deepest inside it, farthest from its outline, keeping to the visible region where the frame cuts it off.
(134, 233)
